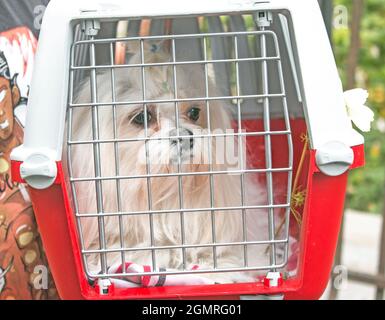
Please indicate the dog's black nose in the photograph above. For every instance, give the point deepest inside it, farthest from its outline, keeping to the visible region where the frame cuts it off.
(184, 142)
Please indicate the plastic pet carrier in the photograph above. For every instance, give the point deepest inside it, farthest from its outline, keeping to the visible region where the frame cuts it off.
(116, 84)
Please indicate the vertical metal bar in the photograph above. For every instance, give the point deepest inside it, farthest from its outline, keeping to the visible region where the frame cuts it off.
(240, 150)
(220, 50)
(212, 204)
(80, 56)
(289, 47)
(69, 158)
(289, 141)
(180, 189)
(268, 156)
(148, 164)
(116, 153)
(97, 164)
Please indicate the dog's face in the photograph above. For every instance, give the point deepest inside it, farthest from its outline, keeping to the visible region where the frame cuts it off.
(163, 121)
(176, 133)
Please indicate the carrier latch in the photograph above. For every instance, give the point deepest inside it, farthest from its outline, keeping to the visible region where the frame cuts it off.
(263, 19)
(334, 158)
(39, 171)
(90, 27)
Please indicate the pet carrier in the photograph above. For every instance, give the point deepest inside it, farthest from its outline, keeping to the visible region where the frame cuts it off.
(269, 64)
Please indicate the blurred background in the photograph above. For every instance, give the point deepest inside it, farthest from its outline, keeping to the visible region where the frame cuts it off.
(357, 33)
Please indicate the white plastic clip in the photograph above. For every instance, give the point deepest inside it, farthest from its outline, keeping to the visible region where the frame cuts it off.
(273, 280)
(104, 285)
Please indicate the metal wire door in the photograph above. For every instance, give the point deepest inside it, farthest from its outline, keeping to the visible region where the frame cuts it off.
(262, 99)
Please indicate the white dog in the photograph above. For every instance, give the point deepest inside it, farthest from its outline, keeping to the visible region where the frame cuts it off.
(191, 153)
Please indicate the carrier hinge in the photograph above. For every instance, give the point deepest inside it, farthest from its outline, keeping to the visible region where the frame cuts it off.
(91, 27)
(39, 171)
(334, 158)
(263, 19)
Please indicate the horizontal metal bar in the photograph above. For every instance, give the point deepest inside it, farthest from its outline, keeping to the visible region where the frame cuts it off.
(217, 270)
(203, 99)
(185, 210)
(214, 135)
(185, 246)
(180, 174)
(176, 63)
(197, 271)
(176, 37)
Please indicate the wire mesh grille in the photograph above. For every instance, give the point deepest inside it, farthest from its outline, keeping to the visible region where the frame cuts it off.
(194, 205)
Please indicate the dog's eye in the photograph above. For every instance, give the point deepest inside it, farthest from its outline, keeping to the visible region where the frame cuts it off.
(140, 118)
(194, 113)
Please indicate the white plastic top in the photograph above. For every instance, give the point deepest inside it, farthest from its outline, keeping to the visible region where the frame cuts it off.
(45, 121)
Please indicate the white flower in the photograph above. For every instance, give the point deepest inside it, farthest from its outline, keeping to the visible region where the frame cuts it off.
(381, 125)
(359, 113)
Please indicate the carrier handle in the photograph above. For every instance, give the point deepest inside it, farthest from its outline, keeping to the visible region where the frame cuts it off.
(334, 158)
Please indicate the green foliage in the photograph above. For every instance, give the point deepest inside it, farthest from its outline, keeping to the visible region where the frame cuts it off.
(366, 186)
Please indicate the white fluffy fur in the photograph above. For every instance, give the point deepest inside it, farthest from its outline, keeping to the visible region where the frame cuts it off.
(196, 189)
